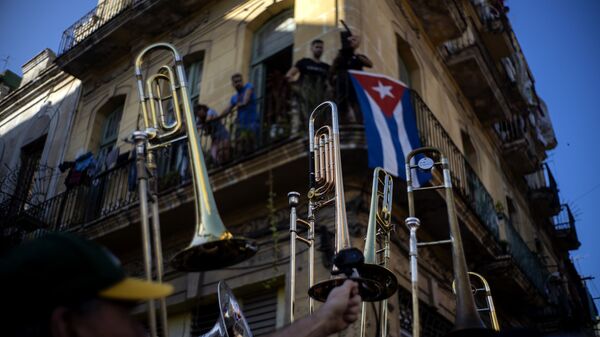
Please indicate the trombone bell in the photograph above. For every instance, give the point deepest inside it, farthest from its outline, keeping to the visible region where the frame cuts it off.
(214, 254)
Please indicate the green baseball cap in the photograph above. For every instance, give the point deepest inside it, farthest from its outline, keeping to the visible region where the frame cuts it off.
(61, 269)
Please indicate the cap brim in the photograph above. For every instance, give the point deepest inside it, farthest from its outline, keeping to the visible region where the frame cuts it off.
(134, 289)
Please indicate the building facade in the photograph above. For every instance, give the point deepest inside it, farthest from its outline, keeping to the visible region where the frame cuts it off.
(474, 98)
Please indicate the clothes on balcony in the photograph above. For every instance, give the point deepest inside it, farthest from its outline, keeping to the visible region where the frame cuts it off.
(132, 174)
(80, 170)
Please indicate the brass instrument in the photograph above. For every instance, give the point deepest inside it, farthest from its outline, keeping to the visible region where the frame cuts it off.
(484, 289)
(378, 230)
(467, 320)
(213, 246)
(232, 322)
(326, 187)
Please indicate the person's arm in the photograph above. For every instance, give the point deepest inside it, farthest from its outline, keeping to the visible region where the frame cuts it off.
(339, 311)
(292, 74)
(365, 60)
(227, 109)
(247, 95)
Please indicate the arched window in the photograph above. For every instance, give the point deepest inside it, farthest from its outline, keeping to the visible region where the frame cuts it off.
(271, 58)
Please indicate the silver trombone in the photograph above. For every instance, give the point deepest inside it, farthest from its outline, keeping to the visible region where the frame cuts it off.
(378, 232)
(467, 319)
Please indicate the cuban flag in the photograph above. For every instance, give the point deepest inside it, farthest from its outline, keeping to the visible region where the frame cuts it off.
(390, 122)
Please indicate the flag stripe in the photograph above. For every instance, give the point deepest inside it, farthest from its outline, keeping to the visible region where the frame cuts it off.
(373, 137)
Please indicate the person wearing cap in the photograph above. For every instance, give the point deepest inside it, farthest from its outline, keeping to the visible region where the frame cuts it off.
(61, 285)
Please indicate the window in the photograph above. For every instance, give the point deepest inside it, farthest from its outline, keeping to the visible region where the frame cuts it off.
(194, 66)
(469, 149)
(110, 131)
(432, 323)
(271, 59)
(259, 308)
(25, 190)
(106, 127)
(407, 64)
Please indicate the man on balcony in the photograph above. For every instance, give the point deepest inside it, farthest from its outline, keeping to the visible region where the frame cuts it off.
(244, 101)
(310, 75)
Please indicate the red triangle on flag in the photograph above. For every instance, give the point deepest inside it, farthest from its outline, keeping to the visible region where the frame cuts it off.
(386, 92)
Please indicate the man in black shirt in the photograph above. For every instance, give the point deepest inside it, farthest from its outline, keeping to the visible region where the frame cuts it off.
(310, 75)
(347, 59)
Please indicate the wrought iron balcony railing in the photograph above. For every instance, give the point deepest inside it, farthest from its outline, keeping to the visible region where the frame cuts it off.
(529, 263)
(564, 227)
(464, 178)
(224, 141)
(543, 191)
(92, 21)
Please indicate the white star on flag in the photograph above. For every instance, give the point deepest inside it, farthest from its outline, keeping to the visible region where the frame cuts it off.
(383, 90)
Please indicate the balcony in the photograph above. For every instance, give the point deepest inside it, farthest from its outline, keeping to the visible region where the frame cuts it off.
(494, 26)
(518, 144)
(476, 75)
(543, 192)
(110, 30)
(113, 193)
(564, 228)
(441, 19)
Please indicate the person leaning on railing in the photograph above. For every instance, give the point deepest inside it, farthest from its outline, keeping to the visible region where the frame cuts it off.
(209, 123)
(244, 100)
(61, 285)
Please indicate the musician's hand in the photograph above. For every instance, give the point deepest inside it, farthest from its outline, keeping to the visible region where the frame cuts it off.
(341, 308)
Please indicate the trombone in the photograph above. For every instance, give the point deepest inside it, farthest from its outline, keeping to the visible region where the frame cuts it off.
(325, 188)
(484, 289)
(212, 246)
(467, 319)
(378, 230)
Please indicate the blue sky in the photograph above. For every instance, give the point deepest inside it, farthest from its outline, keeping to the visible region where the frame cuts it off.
(559, 38)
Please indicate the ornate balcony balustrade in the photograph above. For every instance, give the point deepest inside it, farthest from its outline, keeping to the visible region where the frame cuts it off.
(564, 228)
(517, 136)
(543, 192)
